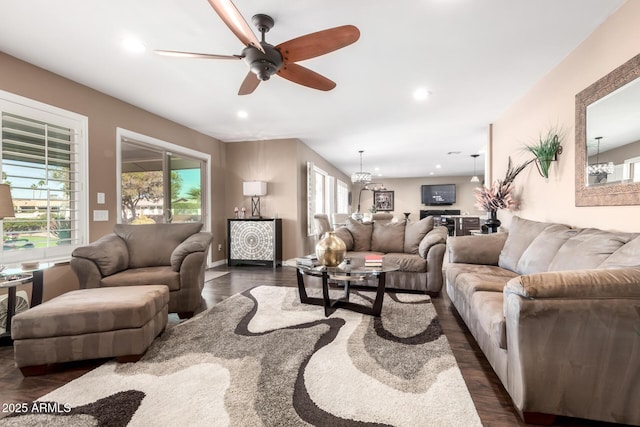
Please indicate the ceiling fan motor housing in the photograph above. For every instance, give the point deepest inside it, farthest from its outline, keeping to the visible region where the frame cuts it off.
(263, 65)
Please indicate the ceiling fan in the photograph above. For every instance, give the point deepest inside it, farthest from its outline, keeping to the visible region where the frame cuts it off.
(265, 59)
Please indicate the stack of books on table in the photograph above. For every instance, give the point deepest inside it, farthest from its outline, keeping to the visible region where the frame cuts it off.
(307, 261)
(373, 261)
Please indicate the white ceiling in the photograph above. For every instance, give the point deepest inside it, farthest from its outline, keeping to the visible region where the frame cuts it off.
(476, 57)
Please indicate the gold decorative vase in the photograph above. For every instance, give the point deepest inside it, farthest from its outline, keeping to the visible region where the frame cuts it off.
(330, 250)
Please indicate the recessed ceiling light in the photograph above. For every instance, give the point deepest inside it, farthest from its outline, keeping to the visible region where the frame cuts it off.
(133, 45)
(438, 166)
(242, 114)
(421, 94)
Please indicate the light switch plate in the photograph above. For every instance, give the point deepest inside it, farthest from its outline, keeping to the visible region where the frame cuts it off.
(100, 215)
(101, 198)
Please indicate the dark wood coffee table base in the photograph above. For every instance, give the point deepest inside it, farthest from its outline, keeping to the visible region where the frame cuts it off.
(331, 305)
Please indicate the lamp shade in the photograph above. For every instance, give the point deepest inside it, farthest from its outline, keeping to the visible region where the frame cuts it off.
(254, 188)
(6, 202)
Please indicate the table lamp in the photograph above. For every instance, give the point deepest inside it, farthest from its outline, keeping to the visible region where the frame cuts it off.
(6, 202)
(6, 206)
(255, 189)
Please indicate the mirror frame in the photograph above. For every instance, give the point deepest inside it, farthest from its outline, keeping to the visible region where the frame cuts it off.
(610, 194)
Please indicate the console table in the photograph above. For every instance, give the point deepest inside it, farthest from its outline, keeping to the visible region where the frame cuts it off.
(254, 241)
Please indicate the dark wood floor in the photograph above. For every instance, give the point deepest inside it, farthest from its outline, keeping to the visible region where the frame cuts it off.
(490, 398)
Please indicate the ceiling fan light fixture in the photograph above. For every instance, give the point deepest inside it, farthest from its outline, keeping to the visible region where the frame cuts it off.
(361, 177)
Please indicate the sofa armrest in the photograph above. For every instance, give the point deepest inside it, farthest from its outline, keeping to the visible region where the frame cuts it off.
(434, 237)
(576, 337)
(480, 249)
(109, 254)
(198, 242)
(578, 284)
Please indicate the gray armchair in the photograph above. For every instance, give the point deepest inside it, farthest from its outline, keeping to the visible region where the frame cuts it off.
(149, 254)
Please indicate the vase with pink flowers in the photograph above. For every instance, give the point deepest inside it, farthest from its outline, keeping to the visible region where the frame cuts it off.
(498, 195)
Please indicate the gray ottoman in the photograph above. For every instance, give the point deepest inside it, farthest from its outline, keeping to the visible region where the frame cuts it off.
(90, 324)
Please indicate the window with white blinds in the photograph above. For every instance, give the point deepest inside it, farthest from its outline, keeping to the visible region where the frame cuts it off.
(342, 197)
(43, 162)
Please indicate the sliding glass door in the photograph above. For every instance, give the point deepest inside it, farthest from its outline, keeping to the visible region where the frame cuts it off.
(158, 186)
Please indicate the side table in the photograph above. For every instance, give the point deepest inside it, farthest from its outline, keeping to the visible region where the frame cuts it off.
(10, 279)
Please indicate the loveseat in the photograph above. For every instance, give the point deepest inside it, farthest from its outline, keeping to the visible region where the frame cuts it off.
(174, 255)
(556, 311)
(417, 247)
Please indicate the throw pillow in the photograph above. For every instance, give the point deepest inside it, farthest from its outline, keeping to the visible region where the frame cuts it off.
(388, 237)
(627, 256)
(587, 249)
(414, 232)
(521, 234)
(537, 257)
(361, 233)
(345, 235)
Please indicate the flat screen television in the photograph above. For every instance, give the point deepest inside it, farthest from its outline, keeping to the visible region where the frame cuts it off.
(438, 194)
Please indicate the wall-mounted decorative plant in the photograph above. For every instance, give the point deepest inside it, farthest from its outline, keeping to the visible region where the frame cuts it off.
(546, 150)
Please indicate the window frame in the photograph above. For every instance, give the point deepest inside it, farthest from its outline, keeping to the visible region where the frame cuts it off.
(39, 111)
(125, 134)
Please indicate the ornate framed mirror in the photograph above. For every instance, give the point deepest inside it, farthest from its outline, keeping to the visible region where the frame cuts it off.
(608, 139)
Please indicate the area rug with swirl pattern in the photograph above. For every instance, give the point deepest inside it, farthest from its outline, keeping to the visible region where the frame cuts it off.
(263, 358)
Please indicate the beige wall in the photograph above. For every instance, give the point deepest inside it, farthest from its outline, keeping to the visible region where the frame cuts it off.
(271, 161)
(551, 102)
(105, 114)
(406, 194)
(282, 164)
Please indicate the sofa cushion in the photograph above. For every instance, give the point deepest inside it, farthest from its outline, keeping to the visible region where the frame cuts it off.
(344, 234)
(588, 249)
(163, 275)
(537, 257)
(414, 232)
(626, 256)
(162, 238)
(388, 237)
(407, 262)
(361, 233)
(521, 234)
(487, 308)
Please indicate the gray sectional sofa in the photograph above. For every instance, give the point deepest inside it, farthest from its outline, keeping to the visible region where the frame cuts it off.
(417, 247)
(556, 311)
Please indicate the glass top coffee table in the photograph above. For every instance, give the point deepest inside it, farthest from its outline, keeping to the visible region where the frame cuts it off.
(350, 272)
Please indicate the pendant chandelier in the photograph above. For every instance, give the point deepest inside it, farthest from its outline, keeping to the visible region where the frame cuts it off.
(597, 168)
(361, 177)
(474, 178)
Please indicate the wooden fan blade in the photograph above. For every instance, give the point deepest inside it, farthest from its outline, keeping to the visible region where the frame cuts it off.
(229, 13)
(178, 54)
(319, 43)
(249, 84)
(305, 77)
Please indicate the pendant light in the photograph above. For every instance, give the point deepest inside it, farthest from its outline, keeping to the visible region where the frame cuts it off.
(475, 178)
(597, 168)
(361, 177)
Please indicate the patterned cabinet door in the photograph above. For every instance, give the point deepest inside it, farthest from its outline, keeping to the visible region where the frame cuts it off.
(254, 242)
